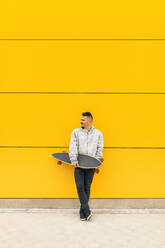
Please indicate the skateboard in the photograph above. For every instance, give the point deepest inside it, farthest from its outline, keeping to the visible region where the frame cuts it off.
(84, 160)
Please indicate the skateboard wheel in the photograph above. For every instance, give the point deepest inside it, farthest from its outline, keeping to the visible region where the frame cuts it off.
(59, 162)
(97, 170)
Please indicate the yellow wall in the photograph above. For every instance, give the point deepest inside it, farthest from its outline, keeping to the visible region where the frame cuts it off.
(61, 58)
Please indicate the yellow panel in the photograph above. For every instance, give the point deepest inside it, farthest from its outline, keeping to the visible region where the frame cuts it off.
(126, 173)
(48, 119)
(88, 66)
(85, 19)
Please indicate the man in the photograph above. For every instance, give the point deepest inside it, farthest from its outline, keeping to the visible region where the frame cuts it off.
(89, 140)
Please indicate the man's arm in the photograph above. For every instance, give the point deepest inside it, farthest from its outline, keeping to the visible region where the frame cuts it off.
(73, 148)
(100, 146)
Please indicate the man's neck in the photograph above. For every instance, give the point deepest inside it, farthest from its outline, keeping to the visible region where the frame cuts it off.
(88, 128)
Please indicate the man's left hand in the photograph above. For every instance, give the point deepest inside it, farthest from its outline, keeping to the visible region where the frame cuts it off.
(101, 159)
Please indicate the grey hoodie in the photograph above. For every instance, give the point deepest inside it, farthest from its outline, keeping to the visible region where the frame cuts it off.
(83, 141)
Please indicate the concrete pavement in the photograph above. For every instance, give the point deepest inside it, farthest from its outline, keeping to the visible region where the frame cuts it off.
(64, 229)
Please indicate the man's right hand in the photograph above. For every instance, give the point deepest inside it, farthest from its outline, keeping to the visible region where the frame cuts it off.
(76, 165)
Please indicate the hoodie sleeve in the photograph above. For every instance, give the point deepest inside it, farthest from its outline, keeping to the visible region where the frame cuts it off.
(100, 145)
(73, 148)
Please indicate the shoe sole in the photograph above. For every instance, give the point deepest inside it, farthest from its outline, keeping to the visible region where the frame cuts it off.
(82, 219)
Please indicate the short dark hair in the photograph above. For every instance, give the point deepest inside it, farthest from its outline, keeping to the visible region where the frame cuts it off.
(87, 114)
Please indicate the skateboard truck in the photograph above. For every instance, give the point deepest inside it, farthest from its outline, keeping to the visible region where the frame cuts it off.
(60, 162)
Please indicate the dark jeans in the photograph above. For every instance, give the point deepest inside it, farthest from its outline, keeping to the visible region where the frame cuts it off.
(83, 179)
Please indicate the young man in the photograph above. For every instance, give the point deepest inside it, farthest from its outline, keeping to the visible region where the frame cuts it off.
(89, 140)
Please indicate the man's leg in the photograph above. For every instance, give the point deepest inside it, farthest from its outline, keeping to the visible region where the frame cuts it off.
(79, 179)
(88, 178)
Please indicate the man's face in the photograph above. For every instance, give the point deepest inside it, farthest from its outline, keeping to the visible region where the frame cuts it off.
(85, 121)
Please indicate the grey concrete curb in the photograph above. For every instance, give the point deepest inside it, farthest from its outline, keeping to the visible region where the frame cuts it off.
(74, 203)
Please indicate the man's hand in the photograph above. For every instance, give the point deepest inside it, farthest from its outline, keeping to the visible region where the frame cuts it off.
(97, 170)
(76, 165)
(101, 159)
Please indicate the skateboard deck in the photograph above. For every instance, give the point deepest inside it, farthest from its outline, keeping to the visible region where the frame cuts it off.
(84, 160)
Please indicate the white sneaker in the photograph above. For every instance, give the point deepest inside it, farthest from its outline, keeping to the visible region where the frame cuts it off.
(89, 216)
(82, 218)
